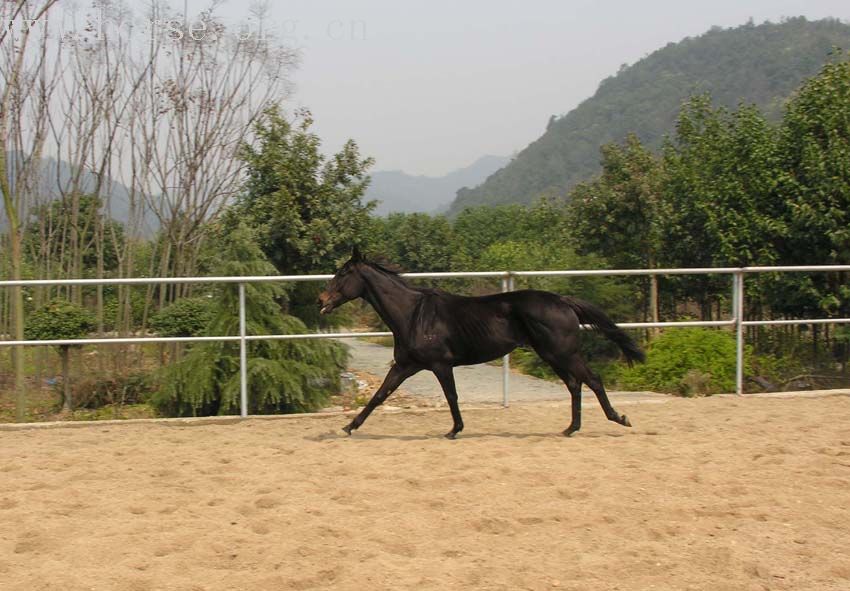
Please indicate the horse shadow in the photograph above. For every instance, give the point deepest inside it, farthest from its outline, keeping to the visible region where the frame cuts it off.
(334, 436)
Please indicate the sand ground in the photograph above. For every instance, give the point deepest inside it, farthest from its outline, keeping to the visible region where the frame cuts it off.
(719, 493)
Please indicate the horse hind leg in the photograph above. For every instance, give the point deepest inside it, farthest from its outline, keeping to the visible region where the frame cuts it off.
(573, 385)
(579, 369)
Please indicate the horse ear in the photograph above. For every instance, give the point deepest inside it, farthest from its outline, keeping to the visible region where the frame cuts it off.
(356, 255)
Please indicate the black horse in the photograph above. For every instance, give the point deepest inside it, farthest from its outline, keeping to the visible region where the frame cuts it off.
(437, 331)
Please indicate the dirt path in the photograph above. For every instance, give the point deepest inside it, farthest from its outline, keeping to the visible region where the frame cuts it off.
(478, 384)
(723, 494)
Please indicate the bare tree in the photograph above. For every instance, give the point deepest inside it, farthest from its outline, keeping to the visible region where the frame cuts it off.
(164, 114)
(89, 128)
(24, 103)
(207, 87)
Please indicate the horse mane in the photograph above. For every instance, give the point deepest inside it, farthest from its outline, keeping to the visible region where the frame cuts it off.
(394, 270)
(382, 264)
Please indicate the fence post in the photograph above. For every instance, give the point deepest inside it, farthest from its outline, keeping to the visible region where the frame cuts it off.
(243, 356)
(738, 303)
(507, 285)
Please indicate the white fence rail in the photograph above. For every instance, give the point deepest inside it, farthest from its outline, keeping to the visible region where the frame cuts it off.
(507, 280)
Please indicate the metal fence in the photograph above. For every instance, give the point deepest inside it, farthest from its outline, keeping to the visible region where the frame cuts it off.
(737, 321)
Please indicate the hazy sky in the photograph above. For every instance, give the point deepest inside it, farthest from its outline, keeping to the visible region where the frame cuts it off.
(428, 87)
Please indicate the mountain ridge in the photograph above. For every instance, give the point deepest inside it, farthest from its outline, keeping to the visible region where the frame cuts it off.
(761, 64)
(398, 191)
(55, 173)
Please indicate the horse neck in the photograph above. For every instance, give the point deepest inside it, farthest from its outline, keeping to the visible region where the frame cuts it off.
(392, 300)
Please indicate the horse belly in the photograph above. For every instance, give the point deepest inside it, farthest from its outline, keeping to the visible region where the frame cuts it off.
(501, 339)
(484, 355)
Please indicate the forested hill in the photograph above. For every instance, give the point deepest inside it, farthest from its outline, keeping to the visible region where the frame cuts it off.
(761, 64)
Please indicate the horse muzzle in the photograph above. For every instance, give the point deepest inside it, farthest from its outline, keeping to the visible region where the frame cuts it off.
(326, 303)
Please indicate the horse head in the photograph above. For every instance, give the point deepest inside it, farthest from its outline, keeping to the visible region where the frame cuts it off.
(347, 284)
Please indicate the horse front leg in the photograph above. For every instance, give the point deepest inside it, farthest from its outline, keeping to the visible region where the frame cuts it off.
(447, 380)
(393, 380)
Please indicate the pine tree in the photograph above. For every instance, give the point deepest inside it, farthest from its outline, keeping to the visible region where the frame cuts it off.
(283, 375)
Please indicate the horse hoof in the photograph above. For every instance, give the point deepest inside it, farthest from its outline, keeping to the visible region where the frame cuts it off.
(347, 430)
(568, 432)
(625, 421)
(450, 435)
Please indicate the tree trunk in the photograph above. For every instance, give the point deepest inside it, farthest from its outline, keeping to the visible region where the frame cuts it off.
(17, 302)
(65, 351)
(18, 324)
(99, 301)
(815, 336)
(653, 303)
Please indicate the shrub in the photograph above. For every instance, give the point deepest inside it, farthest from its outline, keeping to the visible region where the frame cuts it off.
(688, 362)
(60, 320)
(187, 317)
(134, 388)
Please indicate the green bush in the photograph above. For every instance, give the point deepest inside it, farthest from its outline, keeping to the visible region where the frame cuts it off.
(59, 320)
(688, 362)
(187, 317)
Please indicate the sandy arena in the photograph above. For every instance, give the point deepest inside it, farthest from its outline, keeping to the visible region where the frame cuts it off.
(718, 493)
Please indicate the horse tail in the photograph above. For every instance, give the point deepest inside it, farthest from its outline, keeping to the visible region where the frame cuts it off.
(590, 315)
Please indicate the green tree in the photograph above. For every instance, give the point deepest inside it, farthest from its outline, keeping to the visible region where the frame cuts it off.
(417, 242)
(283, 375)
(187, 317)
(476, 228)
(621, 214)
(815, 149)
(60, 320)
(722, 170)
(307, 209)
(722, 205)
